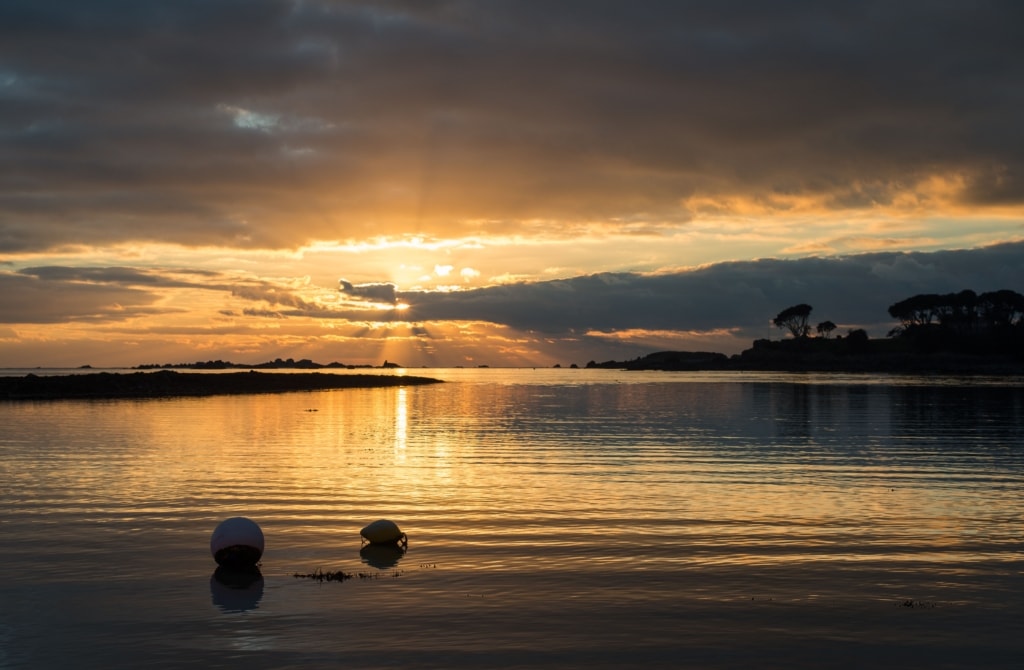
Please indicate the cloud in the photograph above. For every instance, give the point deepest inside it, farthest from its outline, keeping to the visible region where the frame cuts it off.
(55, 294)
(380, 292)
(740, 297)
(271, 123)
(28, 299)
(272, 295)
(264, 313)
(127, 276)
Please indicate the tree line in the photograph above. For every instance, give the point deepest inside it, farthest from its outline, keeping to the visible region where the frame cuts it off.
(965, 311)
(933, 320)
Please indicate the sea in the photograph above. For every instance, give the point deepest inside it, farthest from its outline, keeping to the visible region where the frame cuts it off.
(556, 518)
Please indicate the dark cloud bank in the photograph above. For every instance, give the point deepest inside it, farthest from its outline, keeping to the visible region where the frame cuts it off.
(217, 121)
(853, 291)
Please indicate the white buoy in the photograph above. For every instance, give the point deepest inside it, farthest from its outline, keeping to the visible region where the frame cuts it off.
(383, 531)
(237, 543)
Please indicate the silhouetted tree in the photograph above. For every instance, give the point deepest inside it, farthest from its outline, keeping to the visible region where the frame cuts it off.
(1001, 309)
(958, 311)
(795, 320)
(825, 328)
(918, 310)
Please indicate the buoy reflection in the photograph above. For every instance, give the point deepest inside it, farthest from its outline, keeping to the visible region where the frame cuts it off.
(236, 590)
(382, 556)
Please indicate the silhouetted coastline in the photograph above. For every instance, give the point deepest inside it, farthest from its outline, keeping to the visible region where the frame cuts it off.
(818, 355)
(276, 364)
(963, 333)
(168, 383)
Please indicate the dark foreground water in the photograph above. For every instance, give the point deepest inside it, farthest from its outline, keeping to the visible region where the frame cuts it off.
(572, 518)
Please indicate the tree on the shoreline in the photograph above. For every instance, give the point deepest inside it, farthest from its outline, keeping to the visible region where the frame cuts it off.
(794, 319)
(915, 311)
(825, 328)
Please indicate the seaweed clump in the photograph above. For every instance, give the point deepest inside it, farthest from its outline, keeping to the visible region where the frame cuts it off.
(321, 576)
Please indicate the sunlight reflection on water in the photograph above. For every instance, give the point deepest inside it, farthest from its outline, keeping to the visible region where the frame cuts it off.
(562, 518)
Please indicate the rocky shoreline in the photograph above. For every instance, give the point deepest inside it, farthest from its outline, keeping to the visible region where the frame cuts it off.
(169, 384)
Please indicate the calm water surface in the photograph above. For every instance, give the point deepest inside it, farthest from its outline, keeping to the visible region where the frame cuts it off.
(557, 518)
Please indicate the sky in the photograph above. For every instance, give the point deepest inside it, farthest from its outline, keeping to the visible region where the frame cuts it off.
(490, 182)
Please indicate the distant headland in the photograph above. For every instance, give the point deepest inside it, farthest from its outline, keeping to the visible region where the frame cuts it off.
(955, 333)
(790, 356)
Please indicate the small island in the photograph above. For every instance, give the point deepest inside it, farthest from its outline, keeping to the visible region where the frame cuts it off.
(169, 384)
